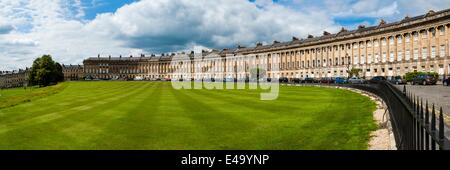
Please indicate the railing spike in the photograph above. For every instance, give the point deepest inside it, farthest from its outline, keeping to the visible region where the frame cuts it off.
(441, 130)
(426, 112)
(421, 124)
(404, 89)
(426, 118)
(433, 128)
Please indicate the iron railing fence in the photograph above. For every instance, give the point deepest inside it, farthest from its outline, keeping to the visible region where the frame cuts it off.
(414, 124)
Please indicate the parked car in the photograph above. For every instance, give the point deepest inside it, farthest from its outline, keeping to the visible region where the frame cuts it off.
(296, 80)
(356, 80)
(283, 80)
(228, 80)
(138, 79)
(424, 79)
(340, 80)
(446, 82)
(397, 80)
(326, 80)
(308, 80)
(378, 79)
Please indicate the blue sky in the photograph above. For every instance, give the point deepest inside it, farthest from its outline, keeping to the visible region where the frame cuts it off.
(94, 7)
(72, 30)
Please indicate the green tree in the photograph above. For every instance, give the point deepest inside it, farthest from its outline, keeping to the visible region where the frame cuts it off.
(45, 71)
(59, 72)
(354, 72)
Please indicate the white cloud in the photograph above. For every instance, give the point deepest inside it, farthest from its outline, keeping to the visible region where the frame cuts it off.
(163, 25)
(54, 27)
(30, 28)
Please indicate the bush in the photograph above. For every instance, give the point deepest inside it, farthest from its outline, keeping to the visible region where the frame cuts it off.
(411, 75)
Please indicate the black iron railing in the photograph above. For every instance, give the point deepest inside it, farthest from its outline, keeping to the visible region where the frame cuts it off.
(416, 126)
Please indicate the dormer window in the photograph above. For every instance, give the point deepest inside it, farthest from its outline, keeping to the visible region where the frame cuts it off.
(391, 40)
(416, 36)
(424, 34)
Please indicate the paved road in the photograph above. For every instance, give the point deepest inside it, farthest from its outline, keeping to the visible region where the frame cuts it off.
(439, 95)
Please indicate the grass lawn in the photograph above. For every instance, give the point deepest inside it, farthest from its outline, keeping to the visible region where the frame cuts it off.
(152, 115)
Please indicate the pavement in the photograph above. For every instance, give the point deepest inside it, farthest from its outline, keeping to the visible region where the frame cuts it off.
(437, 94)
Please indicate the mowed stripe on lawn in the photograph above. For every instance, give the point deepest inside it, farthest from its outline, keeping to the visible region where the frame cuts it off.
(47, 124)
(152, 115)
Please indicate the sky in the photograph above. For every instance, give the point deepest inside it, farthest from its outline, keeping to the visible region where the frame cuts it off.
(72, 30)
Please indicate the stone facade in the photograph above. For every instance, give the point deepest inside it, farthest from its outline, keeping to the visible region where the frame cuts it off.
(16, 78)
(418, 43)
(73, 72)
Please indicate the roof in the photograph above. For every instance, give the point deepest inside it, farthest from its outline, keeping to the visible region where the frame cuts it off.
(383, 26)
(72, 66)
(326, 38)
(2, 73)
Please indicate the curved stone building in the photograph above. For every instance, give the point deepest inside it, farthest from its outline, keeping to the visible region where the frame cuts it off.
(418, 43)
(12, 79)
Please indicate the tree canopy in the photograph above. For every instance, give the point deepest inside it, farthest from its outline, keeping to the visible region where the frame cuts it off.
(354, 72)
(45, 71)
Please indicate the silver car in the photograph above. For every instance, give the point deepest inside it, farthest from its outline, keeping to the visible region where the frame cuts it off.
(356, 80)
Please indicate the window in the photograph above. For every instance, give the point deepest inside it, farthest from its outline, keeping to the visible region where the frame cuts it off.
(442, 51)
(363, 59)
(355, 59)
(441, 31)
(391, 56)
(433, 52)
(399, 55)
(424, 34)
(416, 54)
(407, 55)
(369, 58)
(416, 36)
(407, 38)
(383, 42)
(376, 43)
(399, 40)
(391, 40)
(369, 44)
(384, 57)
(377, 58)
(424, 53)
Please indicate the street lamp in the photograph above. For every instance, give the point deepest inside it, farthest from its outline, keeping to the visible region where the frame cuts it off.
(348, 64)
